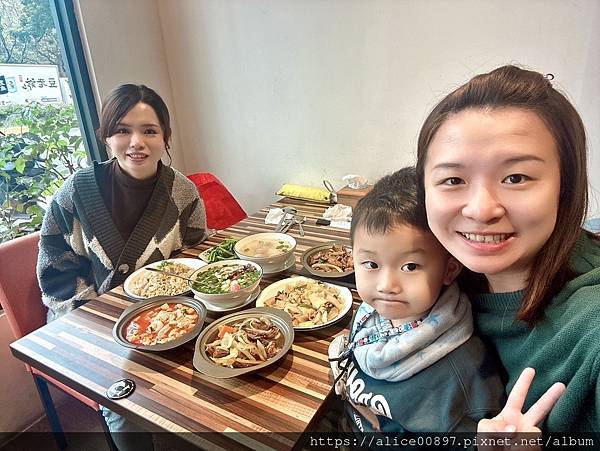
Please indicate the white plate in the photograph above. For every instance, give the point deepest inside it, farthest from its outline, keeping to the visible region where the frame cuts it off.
(193, 263)
(271, 290)
(212, 308)
(288, 264)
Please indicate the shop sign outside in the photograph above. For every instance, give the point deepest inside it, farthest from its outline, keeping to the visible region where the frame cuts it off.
(21, 84)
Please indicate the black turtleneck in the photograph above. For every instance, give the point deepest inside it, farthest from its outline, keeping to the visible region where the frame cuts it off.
(125, 197)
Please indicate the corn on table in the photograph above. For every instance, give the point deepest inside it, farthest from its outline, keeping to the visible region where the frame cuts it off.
(268, 409)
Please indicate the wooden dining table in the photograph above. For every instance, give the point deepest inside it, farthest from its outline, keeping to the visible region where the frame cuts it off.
(267, 409)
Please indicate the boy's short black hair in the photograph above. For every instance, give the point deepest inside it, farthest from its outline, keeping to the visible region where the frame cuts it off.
(393, 201)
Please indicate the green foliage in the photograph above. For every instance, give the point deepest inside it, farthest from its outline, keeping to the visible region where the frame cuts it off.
(35, 162)
(28, 34)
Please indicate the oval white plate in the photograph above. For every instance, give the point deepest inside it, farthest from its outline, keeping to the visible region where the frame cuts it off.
(271, 290)
(193, 263)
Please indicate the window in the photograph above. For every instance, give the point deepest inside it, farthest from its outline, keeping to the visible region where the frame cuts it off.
(47, 110)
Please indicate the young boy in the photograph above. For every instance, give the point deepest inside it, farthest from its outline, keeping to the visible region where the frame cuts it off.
(411, 363)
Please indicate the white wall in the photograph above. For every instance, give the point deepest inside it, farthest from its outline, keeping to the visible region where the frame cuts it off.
(124, 43)
(275, 91)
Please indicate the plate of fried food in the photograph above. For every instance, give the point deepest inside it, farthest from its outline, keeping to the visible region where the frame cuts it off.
(159, 323)
(329, 260)
(144, 284)
(243, 342)
(312, 304)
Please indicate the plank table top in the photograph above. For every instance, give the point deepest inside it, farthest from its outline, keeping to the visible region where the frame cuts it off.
(268, 409)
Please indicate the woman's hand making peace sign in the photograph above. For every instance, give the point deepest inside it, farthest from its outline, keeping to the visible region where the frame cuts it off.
(512, 419)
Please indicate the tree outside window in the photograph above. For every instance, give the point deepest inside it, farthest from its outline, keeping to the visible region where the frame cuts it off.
(40, 141)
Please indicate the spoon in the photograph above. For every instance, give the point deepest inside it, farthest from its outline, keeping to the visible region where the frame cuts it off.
(171, 274)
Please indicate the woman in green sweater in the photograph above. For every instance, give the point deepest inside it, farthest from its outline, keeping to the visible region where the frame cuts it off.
(502, 166)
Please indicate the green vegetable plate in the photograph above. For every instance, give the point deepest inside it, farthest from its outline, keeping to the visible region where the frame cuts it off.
(222, 251)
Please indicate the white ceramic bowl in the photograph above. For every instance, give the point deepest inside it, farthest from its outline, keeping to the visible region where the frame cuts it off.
(230, 299)
(269, 264)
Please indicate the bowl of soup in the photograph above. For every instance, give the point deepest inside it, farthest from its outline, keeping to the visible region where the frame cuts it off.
(272, 251)
(227, 283)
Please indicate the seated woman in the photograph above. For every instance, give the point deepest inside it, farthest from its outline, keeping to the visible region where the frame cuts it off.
(114, 217)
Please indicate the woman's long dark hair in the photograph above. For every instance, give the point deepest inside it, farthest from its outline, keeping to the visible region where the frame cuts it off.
(513, 87)
(122, 99)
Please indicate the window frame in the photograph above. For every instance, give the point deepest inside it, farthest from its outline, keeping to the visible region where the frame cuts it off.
(69, 38)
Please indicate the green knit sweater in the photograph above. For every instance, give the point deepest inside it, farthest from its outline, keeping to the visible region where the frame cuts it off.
(563, 347)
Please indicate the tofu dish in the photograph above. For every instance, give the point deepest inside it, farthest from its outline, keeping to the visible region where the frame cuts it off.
(161, 324)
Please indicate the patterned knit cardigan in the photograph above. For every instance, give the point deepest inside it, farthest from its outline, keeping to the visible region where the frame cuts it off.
(82, 254)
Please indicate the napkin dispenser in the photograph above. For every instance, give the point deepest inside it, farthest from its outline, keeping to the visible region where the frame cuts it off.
(350, 196)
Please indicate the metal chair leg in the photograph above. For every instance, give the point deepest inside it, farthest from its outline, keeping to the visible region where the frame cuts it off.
(111, 444)
(51, 414)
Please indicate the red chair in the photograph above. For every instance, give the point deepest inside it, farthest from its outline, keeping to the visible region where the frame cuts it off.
(22, 301)
(222, 210)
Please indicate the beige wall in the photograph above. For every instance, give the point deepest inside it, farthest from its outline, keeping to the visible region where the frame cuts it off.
(17, 389)
(124, 43)
(274, 91)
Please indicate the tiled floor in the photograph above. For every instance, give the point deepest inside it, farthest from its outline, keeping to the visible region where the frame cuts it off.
(84, 432)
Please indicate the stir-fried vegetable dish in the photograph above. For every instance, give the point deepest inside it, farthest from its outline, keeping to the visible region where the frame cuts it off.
(161, 324)
(309, 303)
(226, 278)
(223, 251)
(147, 284)
(337, 258)
(245, 343)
